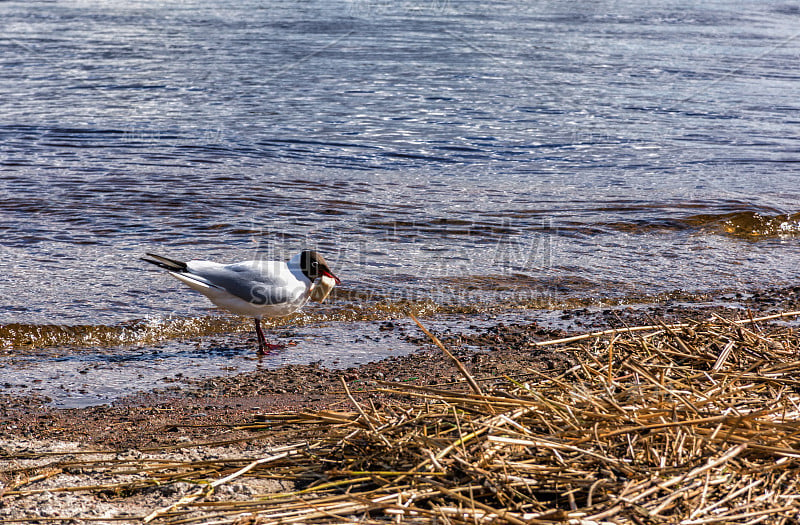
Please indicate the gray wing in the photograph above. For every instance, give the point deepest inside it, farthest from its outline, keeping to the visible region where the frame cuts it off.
(253, 281)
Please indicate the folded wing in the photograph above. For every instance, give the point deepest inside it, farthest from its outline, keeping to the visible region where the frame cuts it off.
(257, 282)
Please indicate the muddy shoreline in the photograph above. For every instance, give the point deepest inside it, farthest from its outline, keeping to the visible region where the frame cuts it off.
(193, 417)
(201, 408)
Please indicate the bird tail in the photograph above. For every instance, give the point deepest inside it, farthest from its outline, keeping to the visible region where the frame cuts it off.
(166, 263)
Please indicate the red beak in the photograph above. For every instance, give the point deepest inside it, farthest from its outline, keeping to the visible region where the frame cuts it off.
(329, 274)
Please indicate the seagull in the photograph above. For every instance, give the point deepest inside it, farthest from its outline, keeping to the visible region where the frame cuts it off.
(256, 289)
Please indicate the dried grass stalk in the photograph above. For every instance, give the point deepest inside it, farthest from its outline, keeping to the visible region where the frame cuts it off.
(693, 423)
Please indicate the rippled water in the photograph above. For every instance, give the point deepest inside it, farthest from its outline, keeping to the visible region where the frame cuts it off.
(444, 155)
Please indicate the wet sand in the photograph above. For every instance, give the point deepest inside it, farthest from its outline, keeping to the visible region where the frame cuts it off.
(216, 410)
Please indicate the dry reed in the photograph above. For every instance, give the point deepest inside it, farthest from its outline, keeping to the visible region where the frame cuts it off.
(695, 423)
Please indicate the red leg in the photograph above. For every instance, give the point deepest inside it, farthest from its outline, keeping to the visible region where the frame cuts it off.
(263, 346)
(261, 340)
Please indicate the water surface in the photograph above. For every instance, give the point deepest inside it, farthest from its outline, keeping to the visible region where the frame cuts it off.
(445, 156)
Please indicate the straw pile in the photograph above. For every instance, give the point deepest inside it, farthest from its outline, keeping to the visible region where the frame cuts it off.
(694, 423)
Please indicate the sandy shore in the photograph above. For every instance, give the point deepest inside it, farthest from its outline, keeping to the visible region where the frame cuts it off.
(208, 418)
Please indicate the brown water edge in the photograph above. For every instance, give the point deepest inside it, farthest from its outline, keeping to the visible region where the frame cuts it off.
(344, 306)
(334, 337)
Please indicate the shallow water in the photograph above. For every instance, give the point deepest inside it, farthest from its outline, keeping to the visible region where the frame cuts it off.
(443, 156)
(71, 378)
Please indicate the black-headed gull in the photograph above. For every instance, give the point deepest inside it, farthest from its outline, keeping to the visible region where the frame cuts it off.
(255, 289)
